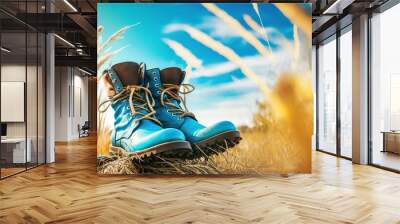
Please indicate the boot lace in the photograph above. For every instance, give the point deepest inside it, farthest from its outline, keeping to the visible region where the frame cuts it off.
(173, 92)
(132, 93)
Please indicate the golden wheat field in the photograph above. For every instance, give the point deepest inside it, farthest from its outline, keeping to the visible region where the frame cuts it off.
(279, 140)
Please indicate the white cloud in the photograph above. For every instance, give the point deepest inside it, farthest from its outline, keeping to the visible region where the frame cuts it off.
(257, 63)
(226, 67)
(242, 85)
(218, 29)
(238, 110)
(210, 105)
(172, 27)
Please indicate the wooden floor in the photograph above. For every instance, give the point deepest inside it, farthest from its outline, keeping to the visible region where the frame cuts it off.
(69, 191)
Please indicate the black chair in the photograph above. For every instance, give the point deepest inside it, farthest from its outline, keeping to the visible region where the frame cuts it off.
(84, 130)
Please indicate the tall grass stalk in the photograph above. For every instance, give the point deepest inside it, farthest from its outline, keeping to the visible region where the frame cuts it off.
(115, 36)
(257, 10)
(260, 30)
(297, 16)
(237, 27)
(296, 48)
(184, 53)
(107, 56)
(99, 36)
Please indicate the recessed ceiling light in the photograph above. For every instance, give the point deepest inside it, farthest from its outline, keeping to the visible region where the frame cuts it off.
(5, 50)
(84, 71)
(337, 7)
(70, 5)
(64, 40)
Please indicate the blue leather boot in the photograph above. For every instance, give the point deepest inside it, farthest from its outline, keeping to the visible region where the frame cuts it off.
(166, 87)
(137, 131)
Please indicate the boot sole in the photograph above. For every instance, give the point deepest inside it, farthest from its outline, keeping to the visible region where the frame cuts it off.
(216, 144)
(175, 149)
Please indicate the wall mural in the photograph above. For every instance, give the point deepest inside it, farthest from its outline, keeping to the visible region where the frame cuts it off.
(204, 89)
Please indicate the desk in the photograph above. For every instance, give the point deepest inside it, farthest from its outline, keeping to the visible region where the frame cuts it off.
(391, 141)
(13, 150)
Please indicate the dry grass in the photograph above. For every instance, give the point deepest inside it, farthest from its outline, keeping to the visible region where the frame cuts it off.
(238, 28)
(259, 29)
(297, 15)
(115, 165)
(161, 166)
(184, 53)
(277, 143)
(114, 37)
(103, 137)
(103, 54)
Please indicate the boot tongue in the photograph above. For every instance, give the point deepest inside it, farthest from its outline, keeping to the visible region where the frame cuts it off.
(172, 75)
(128, 73)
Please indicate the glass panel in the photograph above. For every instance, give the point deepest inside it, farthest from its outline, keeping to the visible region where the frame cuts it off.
(386, 89)
(13, 86)
(346, 94)
(22, 89)
(327, 97)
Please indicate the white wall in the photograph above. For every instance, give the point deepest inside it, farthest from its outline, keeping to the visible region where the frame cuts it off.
(61, 103)
(80, 98)
(71, 102)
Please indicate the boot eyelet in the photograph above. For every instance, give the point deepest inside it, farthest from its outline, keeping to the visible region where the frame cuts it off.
(158, 91)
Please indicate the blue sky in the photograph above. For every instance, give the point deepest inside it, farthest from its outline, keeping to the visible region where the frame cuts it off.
(217, 79)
